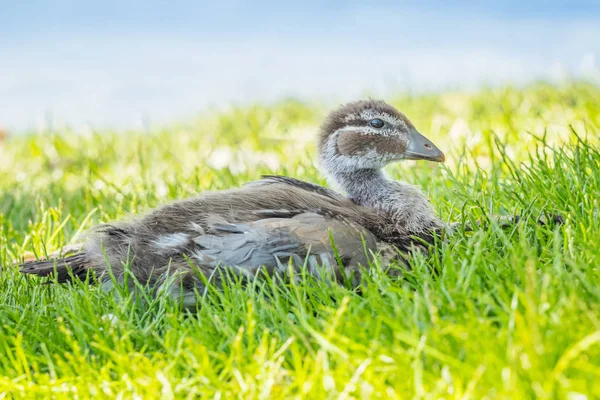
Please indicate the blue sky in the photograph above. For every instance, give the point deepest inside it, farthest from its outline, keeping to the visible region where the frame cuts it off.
(116, 63)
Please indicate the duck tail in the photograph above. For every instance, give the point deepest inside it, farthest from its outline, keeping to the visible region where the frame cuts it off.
(65, 269)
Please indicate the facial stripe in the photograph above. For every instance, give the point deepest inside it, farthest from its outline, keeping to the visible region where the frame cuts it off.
(368, 130)
(353, 143)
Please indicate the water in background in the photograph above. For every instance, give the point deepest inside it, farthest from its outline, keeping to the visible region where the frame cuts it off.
(115, 64)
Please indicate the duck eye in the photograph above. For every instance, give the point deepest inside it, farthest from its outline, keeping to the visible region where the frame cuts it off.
(376, 123)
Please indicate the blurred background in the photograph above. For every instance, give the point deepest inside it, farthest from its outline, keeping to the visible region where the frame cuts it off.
(124, 64)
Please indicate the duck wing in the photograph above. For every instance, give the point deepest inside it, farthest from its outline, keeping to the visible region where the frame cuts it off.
(287, 239)
(166, 235)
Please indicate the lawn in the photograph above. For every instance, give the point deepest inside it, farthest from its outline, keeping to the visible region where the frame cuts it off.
(493, 313)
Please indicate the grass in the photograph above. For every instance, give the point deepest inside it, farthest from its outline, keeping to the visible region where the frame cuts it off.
(511, 314)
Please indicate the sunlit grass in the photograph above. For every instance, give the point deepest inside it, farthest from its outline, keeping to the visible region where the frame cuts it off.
(498, 313)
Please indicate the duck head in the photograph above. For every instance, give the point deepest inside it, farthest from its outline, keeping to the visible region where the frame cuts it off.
(370, 134)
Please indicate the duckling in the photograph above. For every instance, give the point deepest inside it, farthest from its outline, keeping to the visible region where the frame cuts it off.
(355, 142)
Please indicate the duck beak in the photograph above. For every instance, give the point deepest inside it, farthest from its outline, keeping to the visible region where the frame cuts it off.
(421, 148)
